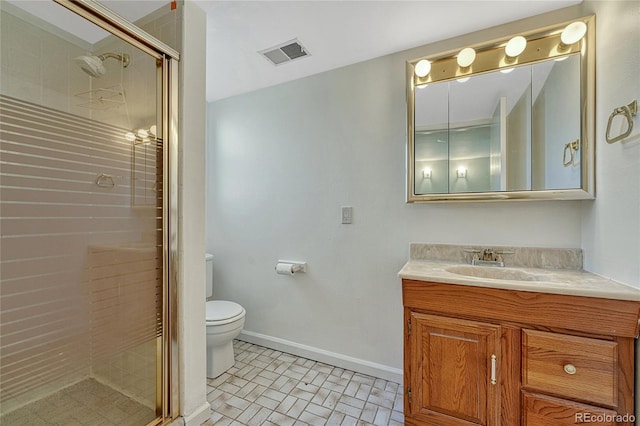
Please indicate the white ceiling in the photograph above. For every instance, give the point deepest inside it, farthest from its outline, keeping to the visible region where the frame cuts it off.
(336, 33)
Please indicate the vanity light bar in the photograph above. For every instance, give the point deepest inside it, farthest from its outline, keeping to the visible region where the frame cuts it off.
(554, 42)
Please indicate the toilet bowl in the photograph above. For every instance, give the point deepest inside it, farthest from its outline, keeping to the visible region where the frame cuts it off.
(224, 321)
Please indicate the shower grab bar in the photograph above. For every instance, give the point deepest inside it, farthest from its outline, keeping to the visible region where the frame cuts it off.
(628, 111)
(105, 181)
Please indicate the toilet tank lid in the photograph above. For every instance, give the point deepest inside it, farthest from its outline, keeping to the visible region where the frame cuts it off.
(208, 256)
(218, 310)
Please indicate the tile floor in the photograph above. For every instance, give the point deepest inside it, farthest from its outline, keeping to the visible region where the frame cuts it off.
(87, 403)
(268, 387)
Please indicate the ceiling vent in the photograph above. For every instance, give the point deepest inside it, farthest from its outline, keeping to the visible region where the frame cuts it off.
(285, 52)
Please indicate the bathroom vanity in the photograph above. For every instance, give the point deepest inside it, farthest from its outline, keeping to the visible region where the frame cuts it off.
(524, 345)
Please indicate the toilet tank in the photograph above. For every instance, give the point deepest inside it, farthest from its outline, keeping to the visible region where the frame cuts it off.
(209, 265)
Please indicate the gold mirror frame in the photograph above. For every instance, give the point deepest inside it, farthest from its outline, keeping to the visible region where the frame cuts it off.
(542, 44)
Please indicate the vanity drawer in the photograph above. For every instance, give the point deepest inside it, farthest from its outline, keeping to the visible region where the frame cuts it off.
(570, 366)
(540, 410)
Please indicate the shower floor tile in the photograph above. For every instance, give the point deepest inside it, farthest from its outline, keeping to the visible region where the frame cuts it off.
(268, 387)
(87, 403)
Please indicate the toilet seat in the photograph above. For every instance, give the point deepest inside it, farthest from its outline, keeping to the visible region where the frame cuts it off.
(220, 312)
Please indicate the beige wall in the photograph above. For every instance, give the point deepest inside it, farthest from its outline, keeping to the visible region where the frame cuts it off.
(191, 276)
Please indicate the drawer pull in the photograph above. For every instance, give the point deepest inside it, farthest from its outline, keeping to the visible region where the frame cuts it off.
(570, 369)
(493, 369)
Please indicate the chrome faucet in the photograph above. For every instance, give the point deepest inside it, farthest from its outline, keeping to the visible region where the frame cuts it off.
(487, 257)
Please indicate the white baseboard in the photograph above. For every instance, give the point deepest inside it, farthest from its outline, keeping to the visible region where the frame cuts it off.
(343, 361)
(199, 416)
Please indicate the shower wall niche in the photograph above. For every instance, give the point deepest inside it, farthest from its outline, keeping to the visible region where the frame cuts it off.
(81, 269)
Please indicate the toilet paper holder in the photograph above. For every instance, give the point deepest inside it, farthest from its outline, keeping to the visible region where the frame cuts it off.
(289, 267)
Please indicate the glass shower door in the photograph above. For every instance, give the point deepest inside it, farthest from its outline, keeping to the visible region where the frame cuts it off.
(82, 282)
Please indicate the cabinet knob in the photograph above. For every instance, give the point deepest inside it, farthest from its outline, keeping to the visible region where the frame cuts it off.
(570, 369)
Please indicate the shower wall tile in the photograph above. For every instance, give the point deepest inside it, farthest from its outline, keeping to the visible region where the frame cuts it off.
(24, 63)
(37, 66)
(24, 37)
(4, 72)
(27, 89)
(5, 34)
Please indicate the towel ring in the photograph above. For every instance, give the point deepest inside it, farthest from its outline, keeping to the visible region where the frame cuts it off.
(570, 149)
(627, 111)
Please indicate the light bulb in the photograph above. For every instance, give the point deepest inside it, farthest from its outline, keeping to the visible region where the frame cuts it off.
(573, 33)
(515, 46)
(463, 79)
(466, 57)
(506, 70)
(130, 136)
(153, 130)
(423, 68)
(142, 133)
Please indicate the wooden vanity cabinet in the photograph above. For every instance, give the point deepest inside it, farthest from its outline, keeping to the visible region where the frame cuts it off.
(486, 356)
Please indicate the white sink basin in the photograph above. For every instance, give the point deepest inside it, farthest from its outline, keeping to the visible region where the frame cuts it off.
(494, 273)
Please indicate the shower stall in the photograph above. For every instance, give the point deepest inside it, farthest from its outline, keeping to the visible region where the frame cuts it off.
(87, 182)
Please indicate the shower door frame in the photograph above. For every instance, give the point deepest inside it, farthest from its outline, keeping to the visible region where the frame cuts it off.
(167, 384)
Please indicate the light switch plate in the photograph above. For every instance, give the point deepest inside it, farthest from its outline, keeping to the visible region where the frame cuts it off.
(347, 215)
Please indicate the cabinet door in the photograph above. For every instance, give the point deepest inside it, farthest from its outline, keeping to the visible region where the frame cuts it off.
(454, 371)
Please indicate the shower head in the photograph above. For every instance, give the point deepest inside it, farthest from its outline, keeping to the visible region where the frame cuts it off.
(93, 66)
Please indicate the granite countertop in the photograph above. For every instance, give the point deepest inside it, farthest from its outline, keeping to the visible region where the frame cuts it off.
(527, 275)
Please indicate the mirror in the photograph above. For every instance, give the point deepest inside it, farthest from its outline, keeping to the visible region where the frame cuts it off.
(503, 127)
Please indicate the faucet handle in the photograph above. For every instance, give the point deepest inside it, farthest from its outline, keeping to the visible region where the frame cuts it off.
(475, 252)
(500, 253)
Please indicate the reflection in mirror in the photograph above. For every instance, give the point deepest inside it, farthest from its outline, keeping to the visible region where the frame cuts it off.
(489, 118)
(556, 123)
(432, 140)
(517, 129)
(508, 130)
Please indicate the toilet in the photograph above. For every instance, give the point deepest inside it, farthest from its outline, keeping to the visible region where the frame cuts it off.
(225, 320)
